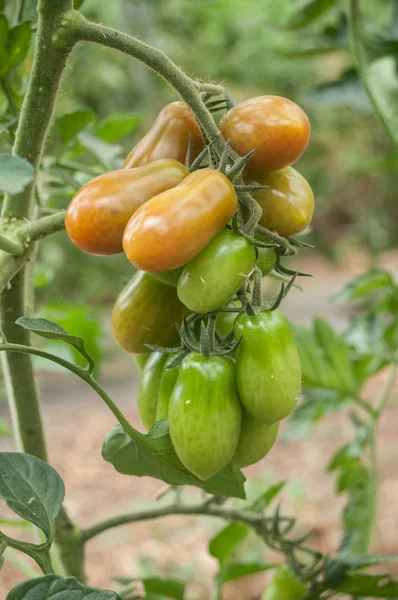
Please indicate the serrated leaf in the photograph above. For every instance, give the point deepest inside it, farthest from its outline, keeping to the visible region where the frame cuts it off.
(264, 499)
(52, 331)
(105, 153)
(15, 173)
(116, 126)
(70, 124)
(374, 586)
(235, 570)
(18, 43)
(309, 12)
(153, 455)
(52, 587)
(363, 285)
(32, 489)
(227, 540)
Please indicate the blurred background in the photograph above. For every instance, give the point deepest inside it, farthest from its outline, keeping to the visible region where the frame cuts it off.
(107, 102)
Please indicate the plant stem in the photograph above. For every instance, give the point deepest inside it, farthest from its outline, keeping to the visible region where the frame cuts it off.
(43, 227)
(358, 52)
(8, 245)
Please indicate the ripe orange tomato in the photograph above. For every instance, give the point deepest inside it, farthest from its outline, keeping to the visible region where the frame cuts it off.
(99, 211)
(172, 228)
(276, 128)
(168, 137)
(288, 202)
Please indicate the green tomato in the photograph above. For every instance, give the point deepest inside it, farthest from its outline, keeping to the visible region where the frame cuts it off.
(284, 586)
(226, 320)
(167, 383)
(149, 388)
(168, 277)
(255, 441)
(205, 414)
(266, 260)
(216, 274)
(267, 366)
(140, 360)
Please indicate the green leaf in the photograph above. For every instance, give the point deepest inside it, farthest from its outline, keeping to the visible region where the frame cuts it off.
(104, 152)
(4, 428)
(153, 455)
(316, 403)
(264, 499)
(70, 124)
(52, 331)
(226, 541)
(345, 92)
(1, 561)
(52, 587)
(32, 489)
(164, 588)
(336, 352)
(383, 81)
(15, 173)
(116, 126)
(3, 44)
(236, 570)
(18, 43)
(309, 12)
(363, 285)
(374, 586)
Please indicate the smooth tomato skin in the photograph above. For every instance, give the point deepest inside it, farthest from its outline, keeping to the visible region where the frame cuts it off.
(266, 260)
(99, 211)
(275, 127)
(255, 441)
(267, 366)
(148, 390)
(288, 202)
(168, 137)
(168, 277)
(284, 586)
(226, 320)
(216, 274)
(205, 414)
(146, 312)
(167, 384)
(172, 228)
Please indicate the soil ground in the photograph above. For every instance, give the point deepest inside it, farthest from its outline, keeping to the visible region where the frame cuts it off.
(77, 422)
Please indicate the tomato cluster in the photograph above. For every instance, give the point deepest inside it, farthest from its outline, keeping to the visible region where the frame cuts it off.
(231, 373)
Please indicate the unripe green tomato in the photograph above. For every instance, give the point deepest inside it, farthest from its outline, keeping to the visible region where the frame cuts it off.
(226, 320)
(216, 274)
(140, 360)
(266, 260)
(267, 366)
(255, 441)
(168, 277)
(284, 586)
(149, 388)
(205, 414)
(146, 312)
(167, 384)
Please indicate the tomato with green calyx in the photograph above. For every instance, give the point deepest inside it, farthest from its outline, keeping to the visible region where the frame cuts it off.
(267, 366)
(140, 360)
(216, 274)
(168, 277)
(226, 320)
(285, 586)
(255, 441)
(146, 312)
(98, 213)
(173, 227)
(205, 414)
(266, 260)
(168, 137)
(167, 384)
(149, 388)
(287, 203)
(276, 128)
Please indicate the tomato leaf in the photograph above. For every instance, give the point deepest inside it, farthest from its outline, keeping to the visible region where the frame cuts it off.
(264, 499)
(309, 12)
(116, 126)
(58, 588)
(70, 124)
(224, 543)
(104, 152)
(32, 489)
(153, 455)
(18, 43)
(236, 570)
(363, 285)
(374, 586)
(15, 173)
